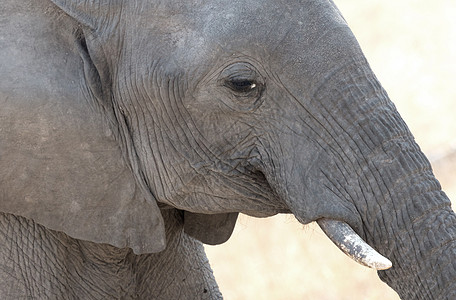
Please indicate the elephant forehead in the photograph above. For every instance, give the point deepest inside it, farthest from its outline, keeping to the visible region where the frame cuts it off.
(192, 34)
(272, 24)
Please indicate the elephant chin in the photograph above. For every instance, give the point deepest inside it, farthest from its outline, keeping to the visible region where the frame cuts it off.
(345, 238)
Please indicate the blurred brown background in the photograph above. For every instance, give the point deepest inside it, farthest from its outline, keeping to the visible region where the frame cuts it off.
(411, 46)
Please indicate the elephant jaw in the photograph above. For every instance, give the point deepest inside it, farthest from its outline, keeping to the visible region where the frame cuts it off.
(346, 239)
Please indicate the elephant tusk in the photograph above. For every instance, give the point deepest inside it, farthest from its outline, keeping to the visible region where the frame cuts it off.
(346, 239)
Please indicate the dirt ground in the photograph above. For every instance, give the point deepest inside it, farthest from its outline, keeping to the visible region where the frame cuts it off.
(410, 45)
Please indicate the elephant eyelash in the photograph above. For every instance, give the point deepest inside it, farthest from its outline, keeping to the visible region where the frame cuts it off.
(243, 86)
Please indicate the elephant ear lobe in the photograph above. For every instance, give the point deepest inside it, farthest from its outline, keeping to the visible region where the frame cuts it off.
(210, 229)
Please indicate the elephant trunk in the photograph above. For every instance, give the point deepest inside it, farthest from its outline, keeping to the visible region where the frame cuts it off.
(367, 171)
(404, 214)
(416, 229)
(422, 250)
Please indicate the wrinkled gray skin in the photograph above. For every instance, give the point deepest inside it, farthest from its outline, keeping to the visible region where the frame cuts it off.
(138, 124)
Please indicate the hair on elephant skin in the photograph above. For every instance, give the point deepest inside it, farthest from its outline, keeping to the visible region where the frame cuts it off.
(134, 131)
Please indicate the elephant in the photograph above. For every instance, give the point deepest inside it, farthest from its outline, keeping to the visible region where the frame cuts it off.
(134, 131)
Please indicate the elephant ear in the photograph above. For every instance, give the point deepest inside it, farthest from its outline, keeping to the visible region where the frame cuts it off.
(60, 163)
(67, 174)
(60, 168)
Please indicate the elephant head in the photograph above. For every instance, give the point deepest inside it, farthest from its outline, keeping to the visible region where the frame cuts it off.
(217, 108)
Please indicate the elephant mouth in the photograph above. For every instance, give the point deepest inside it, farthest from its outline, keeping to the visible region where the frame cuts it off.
(214, 229)
(217, 229)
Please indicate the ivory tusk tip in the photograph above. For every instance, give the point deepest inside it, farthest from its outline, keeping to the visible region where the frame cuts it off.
(379, 263)
(351, 244)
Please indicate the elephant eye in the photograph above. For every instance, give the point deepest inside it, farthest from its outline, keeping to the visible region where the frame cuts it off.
(242, 79)
(243, 86)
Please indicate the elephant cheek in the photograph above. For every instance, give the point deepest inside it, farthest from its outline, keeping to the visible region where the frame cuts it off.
(308, 184)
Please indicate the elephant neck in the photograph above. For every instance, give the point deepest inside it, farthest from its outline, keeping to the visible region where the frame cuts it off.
(36, 262)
